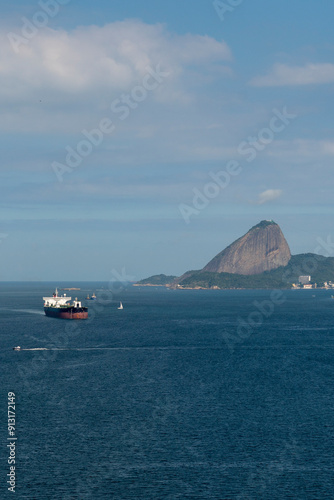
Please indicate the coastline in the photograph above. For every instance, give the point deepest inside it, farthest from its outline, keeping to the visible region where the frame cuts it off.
(179, 287)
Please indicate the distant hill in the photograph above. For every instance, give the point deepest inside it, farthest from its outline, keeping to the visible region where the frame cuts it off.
(157, 279)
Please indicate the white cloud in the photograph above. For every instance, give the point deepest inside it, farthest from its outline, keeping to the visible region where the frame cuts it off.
(282, 74)
(268, 195)
(111, 57)
(65, 81)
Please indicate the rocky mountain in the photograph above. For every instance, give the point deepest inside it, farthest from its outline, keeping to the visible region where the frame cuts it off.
(262, 248)
(259, 259)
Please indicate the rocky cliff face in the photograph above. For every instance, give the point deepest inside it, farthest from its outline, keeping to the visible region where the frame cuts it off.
(261, 249)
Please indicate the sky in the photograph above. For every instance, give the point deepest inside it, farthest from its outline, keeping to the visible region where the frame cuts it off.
(140, 138)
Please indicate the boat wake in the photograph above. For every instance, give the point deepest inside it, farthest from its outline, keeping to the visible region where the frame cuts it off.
(36, 349)
(30, 311)
(135, 348)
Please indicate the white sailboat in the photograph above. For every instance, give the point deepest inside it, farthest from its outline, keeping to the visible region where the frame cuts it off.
(120, 306)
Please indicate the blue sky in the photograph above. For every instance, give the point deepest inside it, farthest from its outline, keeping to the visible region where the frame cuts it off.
(118, 117)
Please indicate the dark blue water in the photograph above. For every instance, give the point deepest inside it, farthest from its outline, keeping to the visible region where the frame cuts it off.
(170, 398)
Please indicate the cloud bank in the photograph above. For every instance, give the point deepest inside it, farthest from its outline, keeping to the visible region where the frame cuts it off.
(284, 75)
(95, 59)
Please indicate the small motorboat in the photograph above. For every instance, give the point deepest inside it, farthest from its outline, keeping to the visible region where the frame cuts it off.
(17, 348)
(120, 306)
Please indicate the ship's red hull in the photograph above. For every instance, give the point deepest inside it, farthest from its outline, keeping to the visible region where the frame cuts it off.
(67, 312)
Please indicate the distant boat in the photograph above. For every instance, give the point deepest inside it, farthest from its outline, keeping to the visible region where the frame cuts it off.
(17, 348)
(120, 306)
(93, 297)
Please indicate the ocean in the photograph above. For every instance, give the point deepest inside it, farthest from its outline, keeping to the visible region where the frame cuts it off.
(183, 394)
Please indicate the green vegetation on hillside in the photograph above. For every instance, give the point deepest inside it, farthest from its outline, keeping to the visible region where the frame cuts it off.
(320, 269)
(157, 279)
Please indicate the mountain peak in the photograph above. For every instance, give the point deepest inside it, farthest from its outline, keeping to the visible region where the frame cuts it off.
(263, 223)
(262, 248)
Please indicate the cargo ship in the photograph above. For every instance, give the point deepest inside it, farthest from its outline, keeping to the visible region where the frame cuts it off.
(61, 307)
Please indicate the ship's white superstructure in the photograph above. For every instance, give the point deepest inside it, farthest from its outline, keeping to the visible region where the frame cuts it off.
(55, 300)
(62, 307)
